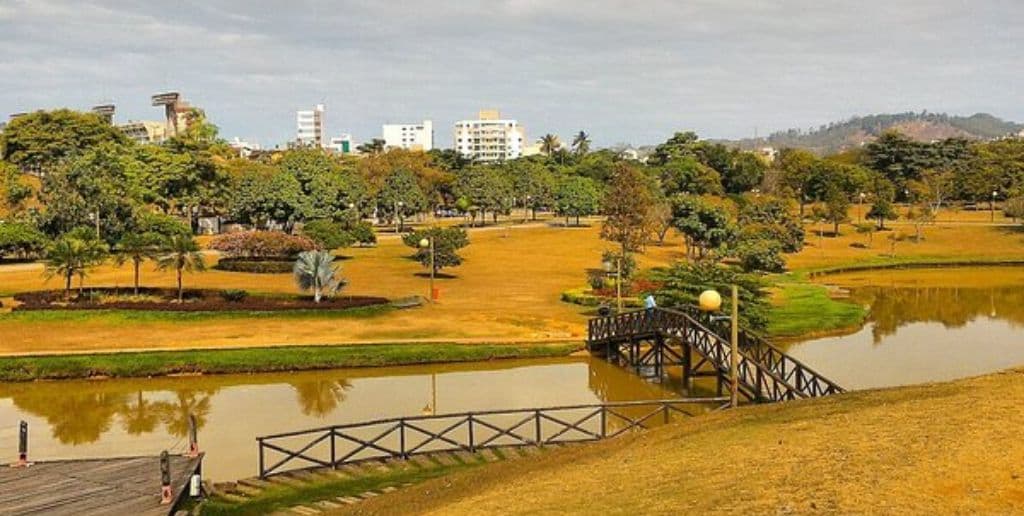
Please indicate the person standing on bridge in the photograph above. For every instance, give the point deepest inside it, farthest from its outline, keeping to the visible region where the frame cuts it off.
(649, 303)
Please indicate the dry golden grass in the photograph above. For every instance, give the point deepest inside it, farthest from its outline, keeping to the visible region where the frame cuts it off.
(507, 290)
(939, 242)
(932, 449)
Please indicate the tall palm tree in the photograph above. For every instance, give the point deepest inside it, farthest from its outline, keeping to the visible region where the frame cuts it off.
(137, 247)
(181, 253)
(549, 143)
(581, 143)
(372, 147)
(315, 270)
(73, 254)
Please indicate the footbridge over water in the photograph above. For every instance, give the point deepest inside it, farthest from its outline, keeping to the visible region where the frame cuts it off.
(650, 340)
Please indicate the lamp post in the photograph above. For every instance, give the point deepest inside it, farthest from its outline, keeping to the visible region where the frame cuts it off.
(618, 280)
(95, 217)
(992, 205)
(431, 408)
(428, 243)
(860, 207)
(711, 301)
(398, 215)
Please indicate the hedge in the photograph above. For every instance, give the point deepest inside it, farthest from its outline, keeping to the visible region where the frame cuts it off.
(583, 297)
(255, 265)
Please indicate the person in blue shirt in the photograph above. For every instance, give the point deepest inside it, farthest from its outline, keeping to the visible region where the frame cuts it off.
(649, 303)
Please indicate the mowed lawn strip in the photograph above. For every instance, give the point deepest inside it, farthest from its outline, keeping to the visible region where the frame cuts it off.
(253, 360)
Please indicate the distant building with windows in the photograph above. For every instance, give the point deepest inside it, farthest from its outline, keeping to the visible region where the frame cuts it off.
(418, 137)
(145, 131)
(309, 127)
(244, 148)
(489, 137)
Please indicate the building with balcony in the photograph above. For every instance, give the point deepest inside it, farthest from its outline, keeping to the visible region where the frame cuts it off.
(309, 127)
(489, 137)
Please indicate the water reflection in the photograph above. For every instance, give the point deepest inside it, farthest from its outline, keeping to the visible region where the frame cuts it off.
(144, 416)
(893, 308)
(924, 328)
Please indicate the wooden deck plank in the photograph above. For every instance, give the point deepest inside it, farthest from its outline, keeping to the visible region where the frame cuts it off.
(129, 485)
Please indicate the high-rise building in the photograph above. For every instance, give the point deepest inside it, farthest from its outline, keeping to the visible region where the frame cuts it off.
(176, 111)
(419, 137)
(489, 137)
(309, 125)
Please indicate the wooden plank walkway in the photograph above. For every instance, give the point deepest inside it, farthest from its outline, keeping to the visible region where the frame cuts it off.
(93, 486)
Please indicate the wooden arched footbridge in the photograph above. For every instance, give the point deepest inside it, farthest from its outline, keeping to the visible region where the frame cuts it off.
(659, 337)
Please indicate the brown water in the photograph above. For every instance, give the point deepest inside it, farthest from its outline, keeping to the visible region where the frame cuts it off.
(144, 416)
(923, 327)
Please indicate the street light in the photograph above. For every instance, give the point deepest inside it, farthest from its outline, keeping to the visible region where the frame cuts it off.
(431, 408)
(607, 264)
(398, 214)
(95, 217)
(711, 301)
(428, 243)
(860, 207)
(992, 205)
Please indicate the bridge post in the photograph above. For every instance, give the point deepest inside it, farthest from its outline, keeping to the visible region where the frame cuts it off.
(687, 364)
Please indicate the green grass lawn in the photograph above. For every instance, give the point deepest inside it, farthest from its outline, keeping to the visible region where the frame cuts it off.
(253, 360)
(803, 309)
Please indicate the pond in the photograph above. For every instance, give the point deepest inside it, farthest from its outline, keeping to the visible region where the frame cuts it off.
(100, 418)
(925, 325)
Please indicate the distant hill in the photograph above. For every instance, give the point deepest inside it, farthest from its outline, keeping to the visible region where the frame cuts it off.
(859, 130)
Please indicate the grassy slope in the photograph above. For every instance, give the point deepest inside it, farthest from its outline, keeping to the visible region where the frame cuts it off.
(940, 448)
(802, 309)
(262, 359)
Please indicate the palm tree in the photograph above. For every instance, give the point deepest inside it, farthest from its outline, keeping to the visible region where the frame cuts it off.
(315, 270)
(549, 144)
(181, 254)
(581, 143)
(372, 147)
(140, 417)
(137, 247)
(73, 254)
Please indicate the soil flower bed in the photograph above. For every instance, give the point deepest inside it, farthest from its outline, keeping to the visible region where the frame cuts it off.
(165, 299)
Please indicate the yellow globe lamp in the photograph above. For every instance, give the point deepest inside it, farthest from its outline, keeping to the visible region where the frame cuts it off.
(424, 243)
(710, 301)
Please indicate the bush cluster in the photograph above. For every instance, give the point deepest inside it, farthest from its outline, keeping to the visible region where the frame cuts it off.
(255, 265)
(160, 300)
(262, 244)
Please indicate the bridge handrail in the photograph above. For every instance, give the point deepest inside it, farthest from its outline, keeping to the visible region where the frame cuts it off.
(603, 412)
(782, 367)
(765, 353)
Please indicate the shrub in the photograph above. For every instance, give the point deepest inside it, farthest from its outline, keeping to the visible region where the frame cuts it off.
(447, 242)
(328, 234)
(254, 265)
(363, 233)
(262, 244)
(760, 255)
(628, 264)
(233, 295)
(684, 282)
(595, 279)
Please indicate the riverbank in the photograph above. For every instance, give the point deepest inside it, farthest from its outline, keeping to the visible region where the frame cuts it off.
(863, 452)
(267, 359)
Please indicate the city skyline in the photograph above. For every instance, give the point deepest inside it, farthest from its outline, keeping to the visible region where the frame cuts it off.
(622, 74)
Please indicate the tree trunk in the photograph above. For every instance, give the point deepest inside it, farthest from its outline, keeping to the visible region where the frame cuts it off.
(316, 294)
(137, 263)
(67, 285)
(181, 294)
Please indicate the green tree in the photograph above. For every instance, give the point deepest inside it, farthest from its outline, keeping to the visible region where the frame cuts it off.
(798, 168)
(267, 195)
(372, 147)
(315, 271)
(73, 254)
(14, 193)
(627, 209)
(882, 195)
(328, 234)
(745, 173)
(20, 239)
(487, 188)
(534, 184)
(181, 253)
(683, 282)
(38, 142)
(401, 197)
(144, 241)
(707, 228)
(771, 217)
(686, 175)
(549, 143)
(447, 242)
(581, 143)
(576, 197)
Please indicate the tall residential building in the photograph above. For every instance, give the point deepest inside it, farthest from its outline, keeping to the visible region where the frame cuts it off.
(419, 137)
(489, 137)
(309, 127)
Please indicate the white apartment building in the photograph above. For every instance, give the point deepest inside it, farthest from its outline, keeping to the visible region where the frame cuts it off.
(309, 127)
(489, 137)
(419, 137)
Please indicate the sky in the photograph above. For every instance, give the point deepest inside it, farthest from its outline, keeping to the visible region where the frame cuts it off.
(624, 71)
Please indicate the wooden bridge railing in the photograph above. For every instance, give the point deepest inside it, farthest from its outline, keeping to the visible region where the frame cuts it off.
(764, 371)
(402, 437)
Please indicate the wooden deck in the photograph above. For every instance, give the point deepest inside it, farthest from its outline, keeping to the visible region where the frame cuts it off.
(93, 486)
